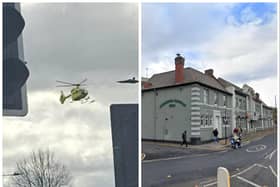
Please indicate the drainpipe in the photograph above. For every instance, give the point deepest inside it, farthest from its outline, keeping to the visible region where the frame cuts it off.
(155, 104)
(246, 114)
(233, 118)
(262, 115)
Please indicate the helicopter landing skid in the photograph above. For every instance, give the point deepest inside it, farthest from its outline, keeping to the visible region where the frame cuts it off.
(87, 101)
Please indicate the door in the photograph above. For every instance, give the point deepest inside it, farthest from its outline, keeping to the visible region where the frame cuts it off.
(218, 122)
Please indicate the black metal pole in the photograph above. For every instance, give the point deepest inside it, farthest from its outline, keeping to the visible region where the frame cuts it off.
(225, 121)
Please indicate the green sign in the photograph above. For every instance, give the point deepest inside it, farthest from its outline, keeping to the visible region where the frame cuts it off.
(172, 103)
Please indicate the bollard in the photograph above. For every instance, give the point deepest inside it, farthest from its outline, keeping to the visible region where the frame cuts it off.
(223, 177)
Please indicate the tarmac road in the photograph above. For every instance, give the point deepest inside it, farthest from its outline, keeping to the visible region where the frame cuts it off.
(255, 164)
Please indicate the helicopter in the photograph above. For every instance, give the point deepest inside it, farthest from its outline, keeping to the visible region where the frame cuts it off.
(76, 93)
(132, 81)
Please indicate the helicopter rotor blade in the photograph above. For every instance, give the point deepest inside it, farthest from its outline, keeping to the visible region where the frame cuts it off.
(78, 85)
(65, 82)
(64, 85)
(83, 81)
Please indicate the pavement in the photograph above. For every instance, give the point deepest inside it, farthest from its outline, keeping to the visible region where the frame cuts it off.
(160, 150)
(255, 164)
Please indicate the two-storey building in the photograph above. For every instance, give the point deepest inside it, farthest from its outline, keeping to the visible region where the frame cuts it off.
(189, 100)
(185, 99)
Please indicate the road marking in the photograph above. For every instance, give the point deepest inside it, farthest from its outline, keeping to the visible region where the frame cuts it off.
(272, 170)
(245, 170)
(271, 154)
(266, 157)
(164, 159)
(261, 166)
(241, 178)
(173, 158)
(249, 182)
(255, 148)
(210, 184)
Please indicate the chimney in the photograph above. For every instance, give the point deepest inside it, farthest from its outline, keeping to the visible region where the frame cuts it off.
(147, 84)
(179, 69)
(209, 72)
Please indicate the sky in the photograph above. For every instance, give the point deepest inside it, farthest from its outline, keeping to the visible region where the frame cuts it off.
(237, 40)
(71, 42)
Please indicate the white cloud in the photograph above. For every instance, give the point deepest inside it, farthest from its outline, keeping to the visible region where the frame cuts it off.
(240, 53)
(267, 88)
(78, 134)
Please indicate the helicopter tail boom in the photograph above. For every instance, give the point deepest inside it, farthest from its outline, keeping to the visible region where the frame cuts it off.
(63, 97)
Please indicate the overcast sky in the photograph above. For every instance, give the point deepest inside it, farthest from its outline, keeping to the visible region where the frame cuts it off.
(238, 41)
(70, 42)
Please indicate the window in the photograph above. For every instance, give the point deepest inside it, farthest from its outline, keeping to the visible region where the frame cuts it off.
(240, 104)
(205, 96)
(215, 98)
(206, 120)
(243, 104)
(201, 120)
(224, 100)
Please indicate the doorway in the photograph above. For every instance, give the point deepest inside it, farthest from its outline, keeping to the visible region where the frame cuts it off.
(218, 122)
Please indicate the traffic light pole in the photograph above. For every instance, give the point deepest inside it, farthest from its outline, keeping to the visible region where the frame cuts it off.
(15, 72)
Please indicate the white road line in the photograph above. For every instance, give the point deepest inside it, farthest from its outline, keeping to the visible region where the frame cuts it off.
(172, 158)
(256, 148)
(266, 157)
(261, 166)
(271, 154)
(249, 182)
(245, 170)
(163, 159)
(205, 182)
(272, 170)
(210, 184)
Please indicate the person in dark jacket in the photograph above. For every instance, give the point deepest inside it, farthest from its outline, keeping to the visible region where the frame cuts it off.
(216, 133)
(184, 138)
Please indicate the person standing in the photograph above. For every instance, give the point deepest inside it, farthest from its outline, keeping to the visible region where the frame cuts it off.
(216, 133)
(240, 130)
(235, 130)
(184, 138)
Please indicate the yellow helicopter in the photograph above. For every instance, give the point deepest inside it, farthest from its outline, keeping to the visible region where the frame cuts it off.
(76, 94)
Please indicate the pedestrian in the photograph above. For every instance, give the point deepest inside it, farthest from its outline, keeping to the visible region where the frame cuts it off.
(240, 132)
(216, 133)
(184, 138)
(235, 130)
